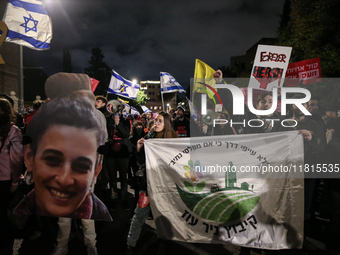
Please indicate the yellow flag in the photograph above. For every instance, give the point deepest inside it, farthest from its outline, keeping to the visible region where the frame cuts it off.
(203, 74)
(118, 98)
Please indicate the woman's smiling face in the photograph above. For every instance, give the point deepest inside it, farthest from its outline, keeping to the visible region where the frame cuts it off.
(63, 168)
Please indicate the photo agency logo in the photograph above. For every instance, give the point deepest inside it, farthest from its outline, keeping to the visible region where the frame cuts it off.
(239, 106)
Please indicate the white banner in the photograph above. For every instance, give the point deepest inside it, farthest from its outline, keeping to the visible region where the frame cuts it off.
(201, 189)
(270, 66)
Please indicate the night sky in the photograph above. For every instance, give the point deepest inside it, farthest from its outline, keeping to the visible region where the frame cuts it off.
(141, 38)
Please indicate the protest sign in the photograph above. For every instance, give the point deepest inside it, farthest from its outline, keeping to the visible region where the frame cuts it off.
(308, 71)
(270, 65)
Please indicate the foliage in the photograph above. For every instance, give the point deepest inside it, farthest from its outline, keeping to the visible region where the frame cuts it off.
(99, 70)
(34, 81)
(313, 30)
(328, 93)
(227, 72)
(141, 98)
(67, 61)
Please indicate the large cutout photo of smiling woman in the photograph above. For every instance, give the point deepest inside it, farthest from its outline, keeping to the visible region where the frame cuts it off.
(62, 156)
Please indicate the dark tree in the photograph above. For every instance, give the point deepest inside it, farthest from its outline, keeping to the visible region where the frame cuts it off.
(67, 61)
(285, 17)
(99, 70)
(313, 30)
(34, 83)
(228, 73)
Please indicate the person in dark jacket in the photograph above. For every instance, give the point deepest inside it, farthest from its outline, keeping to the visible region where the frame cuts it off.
(117, 158)
(333, 161)
(137, 133)
(162, 129)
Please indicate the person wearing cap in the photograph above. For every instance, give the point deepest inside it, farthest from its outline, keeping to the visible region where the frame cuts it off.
(181, 123)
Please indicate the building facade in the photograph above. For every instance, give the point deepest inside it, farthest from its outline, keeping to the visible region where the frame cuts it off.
(153, 91)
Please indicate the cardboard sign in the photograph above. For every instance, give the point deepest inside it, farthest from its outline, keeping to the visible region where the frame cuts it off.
(308, 71)
(270, 65)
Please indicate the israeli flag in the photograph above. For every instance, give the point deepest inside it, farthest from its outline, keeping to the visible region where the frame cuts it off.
(169, 84)
(126, 110)
(193, 110)
(122, 87)
(134, 111)
(145, 109)
(28, 24)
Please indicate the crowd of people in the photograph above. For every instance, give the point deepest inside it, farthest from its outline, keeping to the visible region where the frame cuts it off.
(73, 149)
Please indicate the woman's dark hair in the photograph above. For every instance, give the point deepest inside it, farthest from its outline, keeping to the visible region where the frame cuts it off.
(74, 110)
(8, 111)
(7, 116)
(168, 131)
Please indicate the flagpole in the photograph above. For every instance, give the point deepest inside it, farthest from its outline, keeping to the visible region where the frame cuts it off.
(21, 81)
(193, 92)
(162, 101)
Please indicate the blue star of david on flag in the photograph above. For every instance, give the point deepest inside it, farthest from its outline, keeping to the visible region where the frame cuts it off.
(170, 84)
(172, 80)
(26, 24)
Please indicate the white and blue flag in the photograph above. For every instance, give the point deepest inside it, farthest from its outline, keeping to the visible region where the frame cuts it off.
(28, 24)
(145, 109)
(126, 110)
(134, 111)
(122, 87)
(169, 84)
(193, 110)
